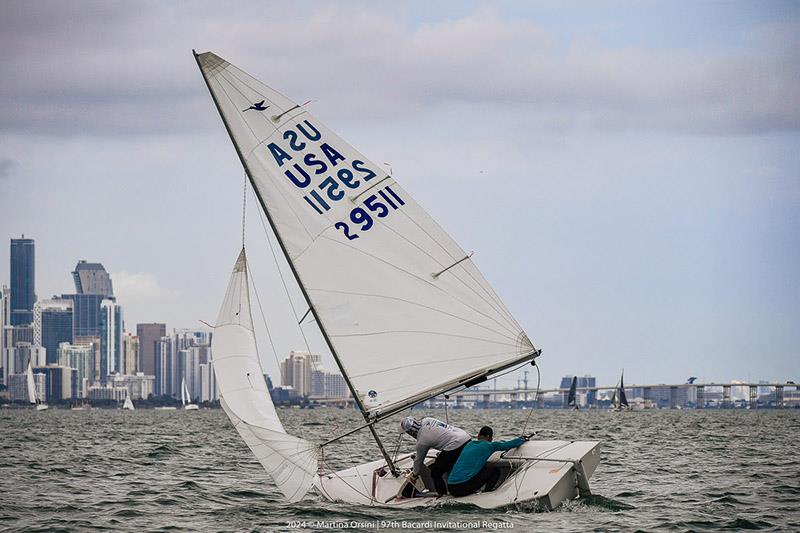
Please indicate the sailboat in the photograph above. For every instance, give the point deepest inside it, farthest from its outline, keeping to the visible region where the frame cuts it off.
(623, 399)
(404, 311)
(572, 396)
(186, 399)
(32, 395)
(128, 405)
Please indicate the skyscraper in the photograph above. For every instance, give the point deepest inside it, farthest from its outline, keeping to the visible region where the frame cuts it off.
(52, 325)
(81, 359)
(130, 354)
(85, 314)
(111, 327)
(23, 293)
(149, 337)
(166, 367)
(92, 278)
(5, 328)
(296, 371)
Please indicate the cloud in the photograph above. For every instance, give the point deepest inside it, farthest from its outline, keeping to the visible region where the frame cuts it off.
(143, 80)
(141, 295)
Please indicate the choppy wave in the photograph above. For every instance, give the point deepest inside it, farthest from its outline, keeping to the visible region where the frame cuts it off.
(189, 471)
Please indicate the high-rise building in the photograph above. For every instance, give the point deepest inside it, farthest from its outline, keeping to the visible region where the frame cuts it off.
(81, 360)
(23, 288)
(139, 386)
(179, 357)
(166, 368)
(111, 328)
(16, 359)
(107, 392)
(94, 344)
(85, 314)
(52, 325)
(130, 354)
(149, 337)
(189, 370)
(92, 278)
(296, 371)
(18, 386)
(326, 384)
(22, 333)
(208, 383)
(5, 328)
(61, 382)
(335, 386)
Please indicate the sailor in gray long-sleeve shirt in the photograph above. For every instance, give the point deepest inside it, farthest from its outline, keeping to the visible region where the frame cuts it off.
(433, 433)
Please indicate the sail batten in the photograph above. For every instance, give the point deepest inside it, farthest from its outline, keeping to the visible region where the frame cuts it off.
(365, 254)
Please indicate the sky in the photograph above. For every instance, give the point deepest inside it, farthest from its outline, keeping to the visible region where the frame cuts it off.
(627, 173)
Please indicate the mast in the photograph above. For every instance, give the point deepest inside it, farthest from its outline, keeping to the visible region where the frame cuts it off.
(352, 389)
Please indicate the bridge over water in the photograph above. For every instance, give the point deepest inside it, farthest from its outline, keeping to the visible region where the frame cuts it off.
(674, 392)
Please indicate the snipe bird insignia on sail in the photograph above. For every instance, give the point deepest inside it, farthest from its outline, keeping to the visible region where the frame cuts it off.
(258, 106)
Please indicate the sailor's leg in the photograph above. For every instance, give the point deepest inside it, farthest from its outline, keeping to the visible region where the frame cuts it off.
(425, 474)
(491, 475)
(474, 484)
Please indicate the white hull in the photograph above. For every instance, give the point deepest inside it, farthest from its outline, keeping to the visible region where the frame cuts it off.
(547, 473)
(191, 407)
(42, 407)
(166, 408)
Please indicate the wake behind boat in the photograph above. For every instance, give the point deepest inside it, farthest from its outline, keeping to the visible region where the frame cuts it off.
(406, 314)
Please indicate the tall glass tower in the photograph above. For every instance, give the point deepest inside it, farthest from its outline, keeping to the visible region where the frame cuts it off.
(23, 294)
(92, 278)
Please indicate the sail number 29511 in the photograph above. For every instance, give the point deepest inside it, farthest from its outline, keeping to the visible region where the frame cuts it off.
(312, 164)
(378, 204)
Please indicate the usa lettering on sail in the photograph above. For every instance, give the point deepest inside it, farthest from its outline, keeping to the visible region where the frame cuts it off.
(307, 164)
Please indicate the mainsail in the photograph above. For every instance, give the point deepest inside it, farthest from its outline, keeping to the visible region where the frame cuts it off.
(572, 392)
(185, 398)
(31, 385)
(623, 400)
(405, 311)
(291, 461)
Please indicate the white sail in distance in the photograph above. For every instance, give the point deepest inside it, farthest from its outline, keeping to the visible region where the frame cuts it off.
(405, 310)
(290, 461)
(184, 393)
(31, 385)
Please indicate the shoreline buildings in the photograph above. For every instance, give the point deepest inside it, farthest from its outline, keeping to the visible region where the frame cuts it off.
(308, 378)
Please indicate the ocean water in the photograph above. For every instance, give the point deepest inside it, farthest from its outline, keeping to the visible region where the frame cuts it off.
(189, 471)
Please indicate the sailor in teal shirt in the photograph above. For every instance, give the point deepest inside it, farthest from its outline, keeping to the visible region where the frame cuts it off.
(471, 471)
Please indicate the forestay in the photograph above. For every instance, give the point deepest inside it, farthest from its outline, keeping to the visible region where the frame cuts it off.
(404, 309)
(291, 461)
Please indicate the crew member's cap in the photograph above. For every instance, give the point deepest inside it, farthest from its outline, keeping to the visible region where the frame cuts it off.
(410, 425)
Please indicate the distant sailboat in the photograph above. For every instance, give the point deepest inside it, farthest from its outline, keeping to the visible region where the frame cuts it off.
(405, 313)
(32, 396)
(623, 399)
(128, 405)
(186, 399)
(572, 397)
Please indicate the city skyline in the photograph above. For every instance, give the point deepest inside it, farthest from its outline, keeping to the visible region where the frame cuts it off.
(157, 332)
(639, 187)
